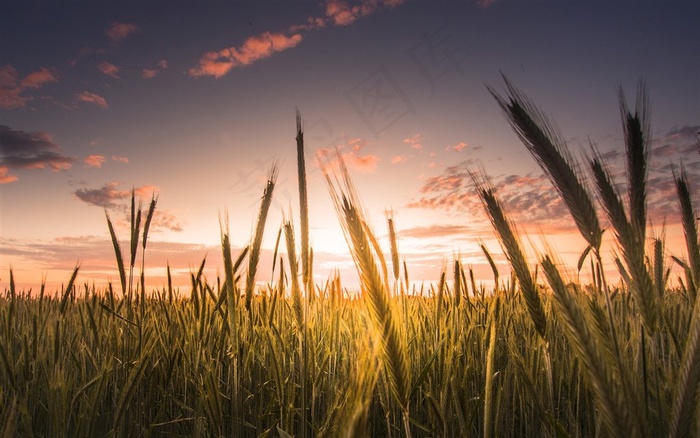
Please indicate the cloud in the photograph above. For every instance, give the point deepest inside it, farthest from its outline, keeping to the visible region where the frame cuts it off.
(120, 159)
(677, 143)
(106, 196)
(351, 152)
(253, 49)
(24, 150)
(458, 147)
(4, 177)
(433, 231)
(398, 159)
(530, 199)
(110, 70)
(339, 12)
(109, 195)
(94, 160)
(12, 88)
(119, 31)
(342, 14)
(149, 73)
(415, 142)
(92, 98)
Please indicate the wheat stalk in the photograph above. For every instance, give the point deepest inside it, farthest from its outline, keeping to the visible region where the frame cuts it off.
(511, 246)
(367, 259)
(592, 350)
(544, 142)
(255, 246)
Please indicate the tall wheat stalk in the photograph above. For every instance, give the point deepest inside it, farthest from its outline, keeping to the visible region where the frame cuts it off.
(256, 244)
(511, 246)
(686, 400)
(690, 231)
(589, 342)
(542, 139)
(368, 260)
(303, 210)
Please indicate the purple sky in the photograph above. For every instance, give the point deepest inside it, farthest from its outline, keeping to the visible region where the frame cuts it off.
(195, 100)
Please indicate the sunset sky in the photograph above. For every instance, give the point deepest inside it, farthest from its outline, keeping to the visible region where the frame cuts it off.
(195, 100)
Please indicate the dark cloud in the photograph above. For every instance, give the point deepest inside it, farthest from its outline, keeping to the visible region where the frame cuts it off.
(106, 196)
(25, 150)
(111, 196)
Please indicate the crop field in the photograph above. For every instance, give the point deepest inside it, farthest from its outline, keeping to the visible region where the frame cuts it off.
(537, 355)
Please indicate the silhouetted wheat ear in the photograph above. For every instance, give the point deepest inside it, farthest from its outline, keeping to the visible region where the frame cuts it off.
(591, 349)
(297, 301)
(117, 253)
(690, 228)
(637, 137)
(375, 289)
(685, 402)
(633, 253)
(254, 254)
(393, 245)
(512, 248)
(303, 207)
(546, 145)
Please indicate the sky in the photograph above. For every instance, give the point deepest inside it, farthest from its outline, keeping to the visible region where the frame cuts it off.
(195, 101)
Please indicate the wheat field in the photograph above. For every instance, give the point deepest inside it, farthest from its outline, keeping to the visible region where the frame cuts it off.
(537, 355)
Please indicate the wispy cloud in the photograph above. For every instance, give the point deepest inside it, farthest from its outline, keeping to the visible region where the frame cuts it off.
(109, 195)
(338, 12)
(458, 147)
(398, 159)
(432, 231)
(253, 49)
(119, 31)
(12, 88)
(109, 69)
(95, 99)
(113, 197)
(94, 160)
(415, 142)
(150, 73)
(120, 159)
(4, 177)
(25, 150)
(351, 151)
(342, 13)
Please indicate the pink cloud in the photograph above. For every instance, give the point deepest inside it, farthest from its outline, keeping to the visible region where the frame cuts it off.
(110, 70)
(120, 159)
(351, 152)
(4, 177)
(12, 89)
(92, 98)
(119, 31)
(94, 160)
(458, 147)
(398, 159)
(416, 142)
(342, 14)
(38, 78)
(149, 73)
(257, 47)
